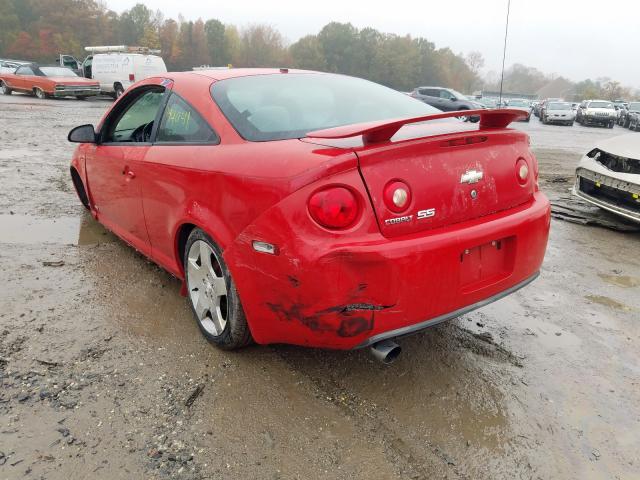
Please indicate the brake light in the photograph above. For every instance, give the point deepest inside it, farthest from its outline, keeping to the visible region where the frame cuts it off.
(334, 207)
(522, 171)
(397, 196)
(132, 77)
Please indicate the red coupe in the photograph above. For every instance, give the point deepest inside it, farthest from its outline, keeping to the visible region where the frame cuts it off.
(314, 209)
(44, 82)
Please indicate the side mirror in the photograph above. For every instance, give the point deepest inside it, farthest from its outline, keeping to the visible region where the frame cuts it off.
(82, 134)
(453, 99)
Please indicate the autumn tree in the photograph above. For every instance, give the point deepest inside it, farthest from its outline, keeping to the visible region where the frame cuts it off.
(214, 31)
(307, 54)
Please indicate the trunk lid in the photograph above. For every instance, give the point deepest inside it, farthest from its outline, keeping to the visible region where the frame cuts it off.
(452, 178)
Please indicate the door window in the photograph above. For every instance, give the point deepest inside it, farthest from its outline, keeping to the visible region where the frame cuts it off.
(182, 124)
(134, 123)
(429, 92)
(446, 95)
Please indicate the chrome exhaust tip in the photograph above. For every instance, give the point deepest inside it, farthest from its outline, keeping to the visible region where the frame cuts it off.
(386, 351)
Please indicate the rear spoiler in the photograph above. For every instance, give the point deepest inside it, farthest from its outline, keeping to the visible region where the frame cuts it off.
(383, 130)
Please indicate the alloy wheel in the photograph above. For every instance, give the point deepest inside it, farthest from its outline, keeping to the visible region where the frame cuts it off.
(207, 287)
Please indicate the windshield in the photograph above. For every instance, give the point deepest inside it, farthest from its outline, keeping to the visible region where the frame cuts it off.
(559, 106)
(58, 72)
(600, 105)
(518, 103)
(283, 106)
(635, 106)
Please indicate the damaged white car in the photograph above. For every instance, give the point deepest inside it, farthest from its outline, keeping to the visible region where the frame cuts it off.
(609, 176)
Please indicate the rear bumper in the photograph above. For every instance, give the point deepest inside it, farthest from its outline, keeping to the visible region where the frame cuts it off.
(609, 193)
(559, 119)
(410, 329)
(344, 296)
(598, 120)
(76, 91)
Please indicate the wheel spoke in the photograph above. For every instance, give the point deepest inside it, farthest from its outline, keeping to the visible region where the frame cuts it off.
(205, 257)
(218, 323)
(201, 305)
(220, 286)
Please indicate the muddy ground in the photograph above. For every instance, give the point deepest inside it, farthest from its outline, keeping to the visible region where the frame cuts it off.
(103, 373)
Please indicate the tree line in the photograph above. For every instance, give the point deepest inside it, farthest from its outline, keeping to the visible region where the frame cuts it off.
(39, 30)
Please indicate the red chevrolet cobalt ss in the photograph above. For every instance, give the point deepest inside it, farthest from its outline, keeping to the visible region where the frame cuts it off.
(311, 208)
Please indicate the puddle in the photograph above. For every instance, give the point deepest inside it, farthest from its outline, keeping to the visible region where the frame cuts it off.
(27, 229)
(607, 302)
(624, 281)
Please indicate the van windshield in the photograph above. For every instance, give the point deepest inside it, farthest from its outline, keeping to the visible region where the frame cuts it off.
(285, 106)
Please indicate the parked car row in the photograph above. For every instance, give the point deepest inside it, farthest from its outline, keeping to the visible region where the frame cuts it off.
(629, 116)
(112, 69)
(45, 82)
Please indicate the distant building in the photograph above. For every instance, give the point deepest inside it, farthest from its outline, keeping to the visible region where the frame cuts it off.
(505, 95)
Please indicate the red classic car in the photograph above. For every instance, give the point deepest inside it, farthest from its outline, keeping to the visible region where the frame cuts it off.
(44, 82)
(315, 209)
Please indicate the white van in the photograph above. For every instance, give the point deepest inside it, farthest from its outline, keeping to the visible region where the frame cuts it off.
(118, 67)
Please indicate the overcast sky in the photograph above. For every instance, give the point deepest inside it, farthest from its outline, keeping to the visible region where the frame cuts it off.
(575, 38)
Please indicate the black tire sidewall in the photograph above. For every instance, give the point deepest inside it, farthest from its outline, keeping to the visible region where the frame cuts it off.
(236, 332)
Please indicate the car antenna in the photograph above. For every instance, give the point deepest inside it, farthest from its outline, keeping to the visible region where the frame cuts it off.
(504, 51)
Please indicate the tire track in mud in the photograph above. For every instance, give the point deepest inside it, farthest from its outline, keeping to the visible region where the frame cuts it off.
(368, 418)
(373, 420)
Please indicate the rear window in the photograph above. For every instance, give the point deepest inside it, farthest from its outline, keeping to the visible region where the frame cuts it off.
(285, 106)
(559, 106)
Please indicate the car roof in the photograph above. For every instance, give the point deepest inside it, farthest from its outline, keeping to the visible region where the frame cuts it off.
(223, 74)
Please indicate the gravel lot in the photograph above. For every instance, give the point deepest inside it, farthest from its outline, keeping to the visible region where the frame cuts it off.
(104, 374)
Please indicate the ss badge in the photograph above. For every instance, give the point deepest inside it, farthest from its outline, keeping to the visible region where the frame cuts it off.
(428, 213)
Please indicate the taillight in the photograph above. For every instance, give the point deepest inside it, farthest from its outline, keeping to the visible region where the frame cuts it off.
(397, 196)
(334, 207)
(132, 77)
(522, 171)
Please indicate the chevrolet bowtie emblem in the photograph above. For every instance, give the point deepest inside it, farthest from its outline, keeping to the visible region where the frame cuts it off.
(471, 176)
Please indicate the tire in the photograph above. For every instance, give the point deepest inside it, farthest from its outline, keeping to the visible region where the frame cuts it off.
(81, 97)
(610, 125)
(463, 118)
(4, 89)
(212, 294)
(118, 90)
(570, 124)
(38, 92)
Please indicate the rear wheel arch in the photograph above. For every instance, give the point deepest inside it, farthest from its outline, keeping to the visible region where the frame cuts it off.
(182, 235)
